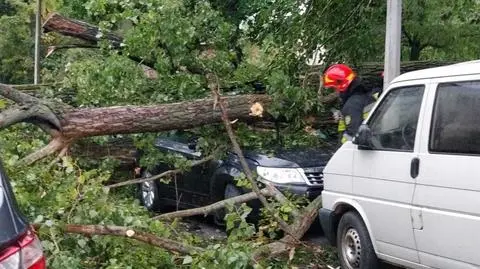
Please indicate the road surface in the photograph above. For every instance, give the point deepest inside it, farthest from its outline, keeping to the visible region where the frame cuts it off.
(205, 228)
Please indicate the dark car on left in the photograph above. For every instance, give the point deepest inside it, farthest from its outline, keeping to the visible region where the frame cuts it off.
(295, 171)
(20, 248)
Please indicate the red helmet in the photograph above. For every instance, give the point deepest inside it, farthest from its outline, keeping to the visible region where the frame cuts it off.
(339, 77)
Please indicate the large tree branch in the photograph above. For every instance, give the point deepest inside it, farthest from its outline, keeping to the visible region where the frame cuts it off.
(151, 239)
(213, 207)
(55, 145)
(17, 96)
(79, 29)
(213, 84)
(18, 114)
(52, 49)
(33, 86)
(33, 108)
(87, 32)
(300, 227)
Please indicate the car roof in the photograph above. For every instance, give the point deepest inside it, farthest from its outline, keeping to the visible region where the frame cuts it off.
(459, 69)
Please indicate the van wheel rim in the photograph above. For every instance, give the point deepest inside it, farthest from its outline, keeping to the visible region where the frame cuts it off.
(148, 193)
(351, 249)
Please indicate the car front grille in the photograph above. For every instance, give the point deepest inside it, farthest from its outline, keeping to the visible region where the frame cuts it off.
(314, 175)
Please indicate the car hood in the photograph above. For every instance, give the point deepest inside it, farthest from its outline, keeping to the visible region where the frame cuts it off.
(292, 158)
(12, 222)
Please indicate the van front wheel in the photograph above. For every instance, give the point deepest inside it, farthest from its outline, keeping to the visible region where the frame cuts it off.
(355, 249)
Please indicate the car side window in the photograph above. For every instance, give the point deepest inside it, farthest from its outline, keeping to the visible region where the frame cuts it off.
(394, 123)
(456, 118)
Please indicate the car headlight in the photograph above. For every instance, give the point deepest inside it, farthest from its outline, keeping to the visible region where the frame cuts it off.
(281, 175)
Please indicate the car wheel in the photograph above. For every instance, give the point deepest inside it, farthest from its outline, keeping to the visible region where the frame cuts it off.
(355, 249)
(230, 191)
(148, 193)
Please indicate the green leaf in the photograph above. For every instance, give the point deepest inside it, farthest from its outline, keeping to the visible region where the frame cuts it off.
(82, 243)
(92, 213)
(187, 260)
(38, 219)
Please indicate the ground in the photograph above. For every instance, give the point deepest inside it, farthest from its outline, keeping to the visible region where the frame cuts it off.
(205, 228)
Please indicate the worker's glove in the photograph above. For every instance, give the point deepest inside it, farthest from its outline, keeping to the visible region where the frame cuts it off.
(337, 115)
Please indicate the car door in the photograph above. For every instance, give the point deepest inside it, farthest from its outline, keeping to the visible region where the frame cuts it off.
(382, 180)
(447, 194)
(189, 188)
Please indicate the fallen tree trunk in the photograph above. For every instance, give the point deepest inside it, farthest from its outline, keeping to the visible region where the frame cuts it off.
(88, 122)
(66, 125)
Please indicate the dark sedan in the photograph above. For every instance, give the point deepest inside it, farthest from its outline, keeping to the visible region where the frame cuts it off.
(294, 171)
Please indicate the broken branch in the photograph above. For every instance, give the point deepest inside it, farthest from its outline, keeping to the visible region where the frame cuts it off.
(213, 207)
(15, 95)
(55, 145)
(300, 227)
(76, 28)
(151, 239)
(164, 174)
(213, 84)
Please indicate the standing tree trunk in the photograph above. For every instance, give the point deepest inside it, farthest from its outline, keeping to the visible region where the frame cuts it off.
(415, 50)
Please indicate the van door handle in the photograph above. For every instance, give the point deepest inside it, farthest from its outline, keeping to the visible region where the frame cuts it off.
(415, 167)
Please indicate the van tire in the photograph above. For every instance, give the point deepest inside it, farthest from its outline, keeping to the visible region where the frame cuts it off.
(355, 249)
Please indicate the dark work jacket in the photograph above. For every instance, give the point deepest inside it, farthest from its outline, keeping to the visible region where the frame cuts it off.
(354, 100)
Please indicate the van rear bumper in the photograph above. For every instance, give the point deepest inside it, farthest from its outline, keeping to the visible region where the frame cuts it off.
(328, 221)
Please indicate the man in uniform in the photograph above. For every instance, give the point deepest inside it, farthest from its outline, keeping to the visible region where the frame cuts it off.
(356, 99)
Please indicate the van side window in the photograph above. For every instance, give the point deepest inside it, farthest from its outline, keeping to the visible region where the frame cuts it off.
(394, 123)
(456, 118)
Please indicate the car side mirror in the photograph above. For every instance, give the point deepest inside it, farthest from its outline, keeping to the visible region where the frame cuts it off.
(363, 138)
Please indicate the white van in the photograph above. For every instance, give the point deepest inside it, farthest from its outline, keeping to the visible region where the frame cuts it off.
(407, 189)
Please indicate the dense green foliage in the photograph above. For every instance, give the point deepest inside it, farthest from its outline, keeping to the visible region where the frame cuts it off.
(16, 42)
(246, 43)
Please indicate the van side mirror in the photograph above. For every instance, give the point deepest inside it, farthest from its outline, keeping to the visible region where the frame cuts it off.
(363, 138)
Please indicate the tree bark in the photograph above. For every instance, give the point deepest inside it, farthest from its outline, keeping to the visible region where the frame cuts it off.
(88, 122)
(79, 29)
(415, 50)
(67, 125)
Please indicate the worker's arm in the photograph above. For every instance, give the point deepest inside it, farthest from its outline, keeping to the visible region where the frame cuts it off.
(353, 115)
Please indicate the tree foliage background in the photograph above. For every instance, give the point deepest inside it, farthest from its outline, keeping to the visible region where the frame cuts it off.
(251, 45)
